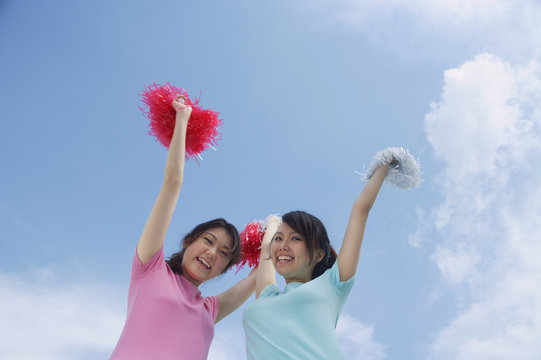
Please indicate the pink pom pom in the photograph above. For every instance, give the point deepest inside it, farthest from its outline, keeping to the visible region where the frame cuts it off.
(202, 130)
(251, 238)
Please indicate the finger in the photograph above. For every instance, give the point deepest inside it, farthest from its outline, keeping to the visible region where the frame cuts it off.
(181, 99)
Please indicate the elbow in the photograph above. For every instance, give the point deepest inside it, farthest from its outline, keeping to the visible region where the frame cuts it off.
(172, 182)
(363, 207)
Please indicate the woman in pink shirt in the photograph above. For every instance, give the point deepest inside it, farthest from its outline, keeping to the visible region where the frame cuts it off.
(167, 316)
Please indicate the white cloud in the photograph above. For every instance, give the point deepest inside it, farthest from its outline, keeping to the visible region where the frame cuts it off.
(503, 320)
(484, 129)
(486, 132)
(357, 340)
(473, 119)
(456, 264)
(43, 320)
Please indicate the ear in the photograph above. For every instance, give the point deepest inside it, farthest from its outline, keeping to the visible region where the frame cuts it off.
(320, 255)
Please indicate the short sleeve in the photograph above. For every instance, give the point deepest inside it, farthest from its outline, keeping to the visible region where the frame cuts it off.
(342, 287)
(269, 291)
(212, 306)
(156, 261)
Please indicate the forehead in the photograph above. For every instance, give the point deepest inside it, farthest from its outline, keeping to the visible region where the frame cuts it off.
(220, 235)
(285, 229)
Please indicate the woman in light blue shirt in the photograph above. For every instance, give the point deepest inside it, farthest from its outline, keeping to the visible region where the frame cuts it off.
(300, 322)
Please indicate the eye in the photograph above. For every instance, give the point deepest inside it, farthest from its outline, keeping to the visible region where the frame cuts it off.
(224, 253)
(208, 240)
(296, 238)
(277, 238)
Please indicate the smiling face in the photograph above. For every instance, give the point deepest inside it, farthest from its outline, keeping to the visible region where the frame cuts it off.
(290, 256)
(207, 256)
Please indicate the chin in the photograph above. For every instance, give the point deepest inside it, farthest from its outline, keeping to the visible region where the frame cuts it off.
(285, 274)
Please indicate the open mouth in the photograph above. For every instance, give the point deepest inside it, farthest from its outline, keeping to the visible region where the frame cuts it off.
(204, 262)
(284, 259)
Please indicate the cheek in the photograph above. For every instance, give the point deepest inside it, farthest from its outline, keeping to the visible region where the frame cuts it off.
(187, 254)
(221, 265)
(302, 254)
(222, 260)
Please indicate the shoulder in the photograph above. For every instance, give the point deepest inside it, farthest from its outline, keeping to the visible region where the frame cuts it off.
(332, 276)
(270, 291)
(156, 262)
(212, 306)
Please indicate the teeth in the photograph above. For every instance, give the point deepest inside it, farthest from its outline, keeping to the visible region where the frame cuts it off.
(285, 258)
(205, 263)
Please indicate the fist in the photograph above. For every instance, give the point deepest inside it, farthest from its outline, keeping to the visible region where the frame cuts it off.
(272, 223)
(180, 106)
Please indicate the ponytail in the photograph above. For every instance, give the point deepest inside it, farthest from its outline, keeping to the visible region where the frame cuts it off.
(327, 262)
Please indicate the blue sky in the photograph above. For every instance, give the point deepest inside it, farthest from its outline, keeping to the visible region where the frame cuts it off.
(308, 92)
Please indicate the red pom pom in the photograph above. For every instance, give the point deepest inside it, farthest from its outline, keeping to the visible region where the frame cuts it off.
(202, 130)
(251, 238)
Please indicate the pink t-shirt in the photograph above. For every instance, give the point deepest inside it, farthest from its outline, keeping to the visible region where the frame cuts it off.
(167, 319)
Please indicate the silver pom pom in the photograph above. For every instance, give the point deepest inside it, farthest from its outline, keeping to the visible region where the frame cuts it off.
(405, 174)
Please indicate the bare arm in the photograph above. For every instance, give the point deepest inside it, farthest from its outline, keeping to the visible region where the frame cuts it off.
(153, 235)
(265, 271)
(259, 278)
(350, 251)
(235, 296)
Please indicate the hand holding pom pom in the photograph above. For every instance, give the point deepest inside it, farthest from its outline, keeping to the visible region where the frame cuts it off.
(181, 108)
(272, 222)
(404, 171)
(253, 236)
(161, 105)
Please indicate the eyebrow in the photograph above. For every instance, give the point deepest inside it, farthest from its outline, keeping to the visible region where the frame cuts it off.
(291, 232)
(216, 239)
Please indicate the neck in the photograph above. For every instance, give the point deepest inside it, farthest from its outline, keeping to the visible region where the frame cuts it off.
(297, 279)
(190, 279)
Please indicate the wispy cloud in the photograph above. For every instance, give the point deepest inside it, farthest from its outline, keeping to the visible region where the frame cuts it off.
(228, 344)
(43, 319)
(357, 340)
(486, 131)
(439, 27)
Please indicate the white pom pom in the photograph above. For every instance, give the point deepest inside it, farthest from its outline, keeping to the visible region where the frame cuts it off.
(404, 175)
(272, 218)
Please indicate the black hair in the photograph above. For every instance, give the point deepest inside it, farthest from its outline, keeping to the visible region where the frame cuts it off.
(315, 236)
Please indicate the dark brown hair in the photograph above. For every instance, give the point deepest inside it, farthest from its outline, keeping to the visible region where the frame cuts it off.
(315, 237)
(175, 261)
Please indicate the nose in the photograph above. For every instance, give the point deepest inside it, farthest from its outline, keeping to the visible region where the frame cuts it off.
(212, 252)
(284, 245)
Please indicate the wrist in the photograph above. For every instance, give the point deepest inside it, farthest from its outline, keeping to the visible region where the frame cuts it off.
(181, 120)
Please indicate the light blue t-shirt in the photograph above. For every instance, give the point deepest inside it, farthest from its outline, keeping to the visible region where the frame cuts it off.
(298, 323)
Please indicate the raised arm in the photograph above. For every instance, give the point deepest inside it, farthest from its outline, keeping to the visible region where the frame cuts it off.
(350, 251)
(153, 235)
(235, 296)
(265, 271)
